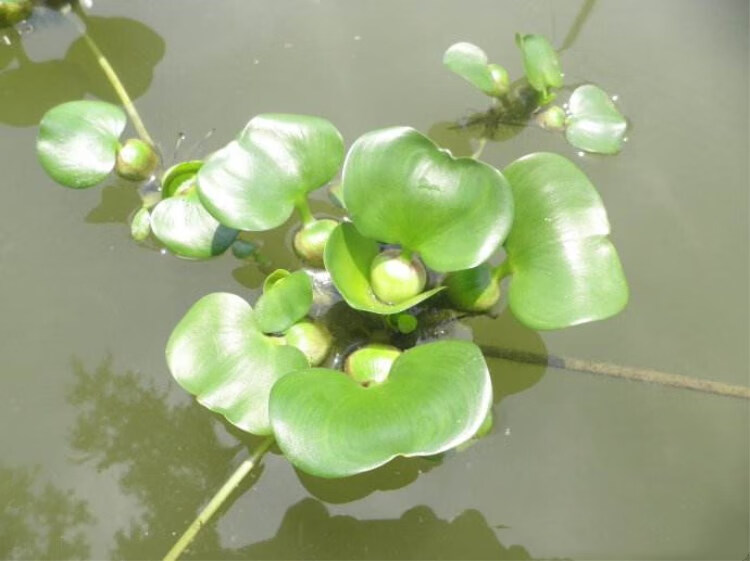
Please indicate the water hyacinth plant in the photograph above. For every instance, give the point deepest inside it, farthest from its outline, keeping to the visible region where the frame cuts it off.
(423, 231)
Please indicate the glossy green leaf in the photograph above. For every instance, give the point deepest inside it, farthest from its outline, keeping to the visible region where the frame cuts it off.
(595, 124)
(400, 188)
(540, 62)
(284, 303)
(254, 181)
(181, 222)
(217, 353)
(565, 270)
(435, 397)
(470, 62)
(348, 256)
(78, 142)
(187, 229)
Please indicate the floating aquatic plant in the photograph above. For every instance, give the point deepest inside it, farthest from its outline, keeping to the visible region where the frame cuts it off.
(422, 234)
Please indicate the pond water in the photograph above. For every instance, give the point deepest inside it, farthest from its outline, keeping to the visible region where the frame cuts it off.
(104, 456)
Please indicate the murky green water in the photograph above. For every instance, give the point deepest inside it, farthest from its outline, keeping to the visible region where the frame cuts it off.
(103, 456)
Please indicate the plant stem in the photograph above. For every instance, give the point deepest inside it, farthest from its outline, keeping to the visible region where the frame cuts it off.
(111, 75)
(478, 152)
(303, 208)
(218, 499)
(501, 271)
(618, 371)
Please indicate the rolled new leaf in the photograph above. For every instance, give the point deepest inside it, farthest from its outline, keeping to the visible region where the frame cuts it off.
(540, 63)
(435, 397)
(255, 181)
(78, 142)
(565, 270)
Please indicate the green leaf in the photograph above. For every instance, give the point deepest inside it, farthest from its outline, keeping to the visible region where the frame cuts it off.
(187, 229)
(78, 142)
(470, 62)
(348, 256)
(565, 270)
(217, 353)
(400, 188)
(254, 182)
(540, 62)
(284, 303)
(594, 124)
(435, 397)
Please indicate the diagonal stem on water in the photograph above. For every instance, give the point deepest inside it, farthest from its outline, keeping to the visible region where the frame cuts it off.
(218, 499)
(109, 72)
(618, 371)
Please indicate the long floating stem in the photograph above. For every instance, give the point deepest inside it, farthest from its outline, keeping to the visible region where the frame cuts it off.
(111, 75)
(218, 499)
(619, 371)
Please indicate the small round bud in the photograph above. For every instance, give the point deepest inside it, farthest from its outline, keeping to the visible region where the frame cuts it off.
(552, 119)
(500, 80)
(140, 226)
(136, 160)
(310, 241)
(313, 339)
(473, 290)
(396, 278)
(371, 364)
(14, 11)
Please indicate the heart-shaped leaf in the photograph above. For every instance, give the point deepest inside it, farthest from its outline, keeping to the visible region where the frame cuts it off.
(187, 229)
(594, 124)
(255, 181)
(435, 397)
(348, 256)
(540, 62)
(470, 62)
(400, 188)
(565, 270)
(78, 142)
(181, 222)
(286, 301)
(217, 353)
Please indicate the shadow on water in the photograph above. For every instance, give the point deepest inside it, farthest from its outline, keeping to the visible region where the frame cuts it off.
(119, 201)
(40, 521)
(309, 531)
(29, 88)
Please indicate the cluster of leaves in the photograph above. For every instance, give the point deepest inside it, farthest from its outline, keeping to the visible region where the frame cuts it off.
(592, 121)
(420, 222)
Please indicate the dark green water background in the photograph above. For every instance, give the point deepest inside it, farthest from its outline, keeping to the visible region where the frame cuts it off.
(103, 456)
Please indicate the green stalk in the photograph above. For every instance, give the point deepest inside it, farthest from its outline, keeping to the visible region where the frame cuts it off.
(478, 152)
(218, 499)
(303, 208)
(501, 271)
(111, 75)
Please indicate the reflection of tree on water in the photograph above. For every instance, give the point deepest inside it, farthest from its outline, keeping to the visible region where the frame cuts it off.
(171, 457)
(40, 521)
(308, 531)
(172, 460)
